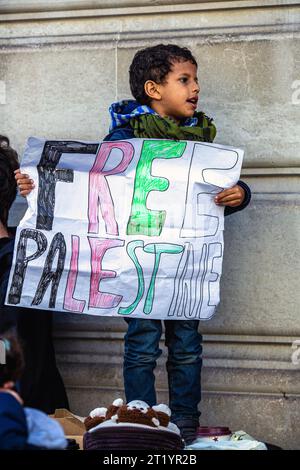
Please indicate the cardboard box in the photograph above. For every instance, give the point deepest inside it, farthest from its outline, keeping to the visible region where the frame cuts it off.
(72, 425)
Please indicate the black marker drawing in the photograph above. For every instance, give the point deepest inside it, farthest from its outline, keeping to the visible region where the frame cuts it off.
(49, 176)
(22, 261)
(58, 245)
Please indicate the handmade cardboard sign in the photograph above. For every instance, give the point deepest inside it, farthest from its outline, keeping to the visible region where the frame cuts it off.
(125, 228)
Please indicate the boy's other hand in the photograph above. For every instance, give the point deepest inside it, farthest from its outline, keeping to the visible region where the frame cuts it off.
(231, 197)
(25, 184)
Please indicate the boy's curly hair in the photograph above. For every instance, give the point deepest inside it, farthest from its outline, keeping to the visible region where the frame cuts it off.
(14, 360)
(154, 63)
(8, 187)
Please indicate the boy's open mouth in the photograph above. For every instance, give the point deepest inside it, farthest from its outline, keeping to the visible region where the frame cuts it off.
(194, 100)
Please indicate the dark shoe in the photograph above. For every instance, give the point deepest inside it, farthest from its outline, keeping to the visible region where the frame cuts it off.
(188, 428)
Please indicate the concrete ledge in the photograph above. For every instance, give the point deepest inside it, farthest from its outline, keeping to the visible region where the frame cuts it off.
(58, 5)
(133, 23)
(28, 10)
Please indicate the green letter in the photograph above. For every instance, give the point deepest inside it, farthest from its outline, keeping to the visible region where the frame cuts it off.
(142, 220)
(131, 247)
(157, 249)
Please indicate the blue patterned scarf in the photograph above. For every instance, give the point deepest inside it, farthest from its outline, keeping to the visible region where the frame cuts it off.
(122, 111)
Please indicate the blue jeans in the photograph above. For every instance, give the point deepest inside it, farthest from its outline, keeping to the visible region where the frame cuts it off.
(183, 364)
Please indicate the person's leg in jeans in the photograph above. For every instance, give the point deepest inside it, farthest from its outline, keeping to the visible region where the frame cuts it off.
(141, 353)
(184, 373)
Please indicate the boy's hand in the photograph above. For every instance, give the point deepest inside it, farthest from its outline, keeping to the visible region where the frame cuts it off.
(231, 197)
(25, 184)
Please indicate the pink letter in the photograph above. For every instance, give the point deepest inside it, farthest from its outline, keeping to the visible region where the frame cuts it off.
(99, 189)
(98, 248)
(70, 303)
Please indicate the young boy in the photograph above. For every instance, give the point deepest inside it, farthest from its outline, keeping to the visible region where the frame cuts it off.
(163, 80)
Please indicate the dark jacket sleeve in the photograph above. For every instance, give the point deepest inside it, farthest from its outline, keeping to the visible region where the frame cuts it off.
(123, 133)
(120, 133)
(13, 426)
(8, 315)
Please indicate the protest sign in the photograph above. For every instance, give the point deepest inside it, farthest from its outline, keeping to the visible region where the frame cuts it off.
(126, 228)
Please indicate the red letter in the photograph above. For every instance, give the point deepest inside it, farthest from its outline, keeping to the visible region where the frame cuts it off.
(98, 248)
(99, 189)
(71, 304)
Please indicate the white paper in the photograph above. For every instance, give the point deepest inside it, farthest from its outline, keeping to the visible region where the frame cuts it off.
(126, 228)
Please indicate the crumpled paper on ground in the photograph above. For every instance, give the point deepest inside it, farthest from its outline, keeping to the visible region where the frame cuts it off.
(239, 440)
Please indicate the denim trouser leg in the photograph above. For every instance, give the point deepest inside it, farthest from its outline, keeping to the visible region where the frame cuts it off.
(141, 352)
(184, 368)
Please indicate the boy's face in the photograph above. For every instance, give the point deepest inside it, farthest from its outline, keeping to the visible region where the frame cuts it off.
(178, 95)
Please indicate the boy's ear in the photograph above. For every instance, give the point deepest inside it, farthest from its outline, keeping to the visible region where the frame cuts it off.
(152, 90)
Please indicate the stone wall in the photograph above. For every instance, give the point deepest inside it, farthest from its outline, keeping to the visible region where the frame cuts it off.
(63, 62)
